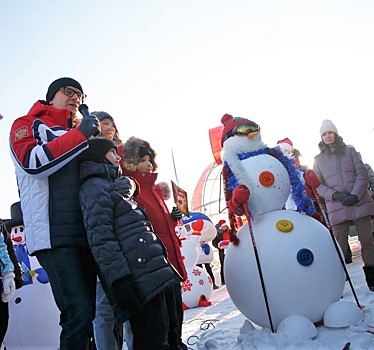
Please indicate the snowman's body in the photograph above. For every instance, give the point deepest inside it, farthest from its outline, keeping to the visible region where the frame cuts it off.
(302, 272)
(33, 315)
(198, 286)
(268, 181)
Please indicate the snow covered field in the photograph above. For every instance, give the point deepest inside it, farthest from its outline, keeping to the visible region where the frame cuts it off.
(221, 326)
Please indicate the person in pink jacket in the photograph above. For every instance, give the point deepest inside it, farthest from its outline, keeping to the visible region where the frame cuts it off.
(344, 186)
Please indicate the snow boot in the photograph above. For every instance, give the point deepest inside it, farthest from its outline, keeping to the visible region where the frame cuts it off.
(369, 275)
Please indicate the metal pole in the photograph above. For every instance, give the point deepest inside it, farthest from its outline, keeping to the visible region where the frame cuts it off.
(246, 211)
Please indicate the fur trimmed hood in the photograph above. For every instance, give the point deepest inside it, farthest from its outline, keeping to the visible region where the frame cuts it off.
(130, 156)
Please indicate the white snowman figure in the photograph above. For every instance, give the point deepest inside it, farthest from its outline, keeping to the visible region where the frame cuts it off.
(208, 233)
(302, 275)
(34, 317)
(198, 287)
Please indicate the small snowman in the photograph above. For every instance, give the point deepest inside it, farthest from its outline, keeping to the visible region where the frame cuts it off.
(198, 286)
(33, 309)
(285, 258)
(208, 233)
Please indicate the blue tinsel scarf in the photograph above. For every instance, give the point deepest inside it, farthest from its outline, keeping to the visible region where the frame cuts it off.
(302, 201)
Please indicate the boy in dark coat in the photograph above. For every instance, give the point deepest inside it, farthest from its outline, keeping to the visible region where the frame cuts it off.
(132, 262)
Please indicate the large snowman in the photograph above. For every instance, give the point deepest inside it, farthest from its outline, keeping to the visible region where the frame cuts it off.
(297, 271)
(198, 287)
(33, 314)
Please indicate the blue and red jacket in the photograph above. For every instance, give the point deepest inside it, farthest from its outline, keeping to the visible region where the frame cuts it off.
(44, 148)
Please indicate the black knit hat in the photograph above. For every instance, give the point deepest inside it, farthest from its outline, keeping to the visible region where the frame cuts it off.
(99, 147)
(60, 83)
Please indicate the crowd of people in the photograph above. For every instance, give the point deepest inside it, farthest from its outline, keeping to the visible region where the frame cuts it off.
(123, 257)
(91, 207)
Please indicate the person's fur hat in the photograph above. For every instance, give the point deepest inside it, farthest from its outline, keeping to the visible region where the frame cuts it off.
(327, 125)
(134, 149)
(60, 83)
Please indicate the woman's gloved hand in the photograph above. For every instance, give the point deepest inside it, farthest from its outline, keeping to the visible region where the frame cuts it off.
(340, 196)
(350, 200)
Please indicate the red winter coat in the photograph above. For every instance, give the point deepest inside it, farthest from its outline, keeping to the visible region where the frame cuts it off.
(158, 214)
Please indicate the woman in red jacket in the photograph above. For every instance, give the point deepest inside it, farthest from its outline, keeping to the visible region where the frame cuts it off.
(138, 161)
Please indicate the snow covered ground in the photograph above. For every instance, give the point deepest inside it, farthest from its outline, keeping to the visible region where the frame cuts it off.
(221, 326)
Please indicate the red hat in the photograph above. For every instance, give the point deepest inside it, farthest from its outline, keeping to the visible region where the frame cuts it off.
(221, 223)
(286, 144)
(229, 123)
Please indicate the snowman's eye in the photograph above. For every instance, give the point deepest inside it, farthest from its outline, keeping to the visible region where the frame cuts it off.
(188, 227)
(15, 230)
(21, 229)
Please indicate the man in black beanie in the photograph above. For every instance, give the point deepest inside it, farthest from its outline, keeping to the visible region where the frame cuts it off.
(44, 146)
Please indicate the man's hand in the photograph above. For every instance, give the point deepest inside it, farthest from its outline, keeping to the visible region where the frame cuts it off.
(90, 126)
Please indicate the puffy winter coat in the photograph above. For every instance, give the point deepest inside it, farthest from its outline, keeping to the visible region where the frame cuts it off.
(44, 147)
(158, 213)
(120, 236)
(343, 172)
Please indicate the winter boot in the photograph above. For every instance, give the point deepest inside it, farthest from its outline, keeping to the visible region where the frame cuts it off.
(369, 275)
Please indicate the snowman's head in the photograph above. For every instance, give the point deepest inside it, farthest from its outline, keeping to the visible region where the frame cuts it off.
(18, 235)
(181, 232)
(208, 231)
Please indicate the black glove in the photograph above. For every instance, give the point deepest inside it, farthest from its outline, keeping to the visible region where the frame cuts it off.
(126, 186)
(124, 295)
(176, 214)
(90, 126)
(340, 196)
(351, 199)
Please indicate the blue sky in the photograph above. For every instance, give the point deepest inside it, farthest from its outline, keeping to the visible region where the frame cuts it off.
(168, 70)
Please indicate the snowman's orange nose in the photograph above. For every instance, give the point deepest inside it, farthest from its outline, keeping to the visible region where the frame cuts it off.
(266, 178)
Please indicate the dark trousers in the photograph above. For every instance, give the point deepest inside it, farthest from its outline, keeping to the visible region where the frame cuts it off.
(173, 298)
(72, 274)
(4, 318)
(150, 326)
(221, 254)
(209, 271)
